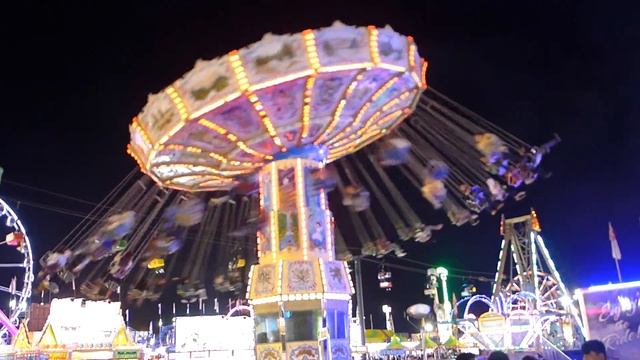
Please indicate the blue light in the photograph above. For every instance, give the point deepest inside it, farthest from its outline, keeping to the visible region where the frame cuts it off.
(311, 152)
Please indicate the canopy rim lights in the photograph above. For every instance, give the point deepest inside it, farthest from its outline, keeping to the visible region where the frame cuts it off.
(351, 85)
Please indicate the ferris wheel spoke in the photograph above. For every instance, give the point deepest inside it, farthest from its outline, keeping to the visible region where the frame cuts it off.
(10, 265)
(548, 302)
(19, 291)
(4, 319)
(7, 290)
(548, 292)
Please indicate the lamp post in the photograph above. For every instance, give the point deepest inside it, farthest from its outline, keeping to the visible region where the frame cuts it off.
(357, 262)
(386, 309)
(421, 312)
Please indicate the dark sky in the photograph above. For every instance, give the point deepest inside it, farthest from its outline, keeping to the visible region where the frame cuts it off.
(74, 75)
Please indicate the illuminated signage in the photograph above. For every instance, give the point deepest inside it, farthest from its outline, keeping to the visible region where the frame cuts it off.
(220, 333)
(611, 313)
(84, 323)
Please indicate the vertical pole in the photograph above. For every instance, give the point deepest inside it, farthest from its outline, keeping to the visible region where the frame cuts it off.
(618, 268)
(510, 265)
(423, 340)
(159, 322)
(360, 298)
(445, 293)
(283, 331)
(534, 268)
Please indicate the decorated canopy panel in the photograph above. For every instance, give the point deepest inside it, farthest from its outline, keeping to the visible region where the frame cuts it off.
(341, 87)
(299, 280)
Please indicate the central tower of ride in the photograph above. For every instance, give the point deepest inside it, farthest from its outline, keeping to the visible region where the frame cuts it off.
(301, 295)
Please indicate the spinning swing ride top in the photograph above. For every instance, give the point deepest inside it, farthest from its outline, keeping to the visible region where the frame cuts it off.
(274, 127)
(315, 96)
(283, 108)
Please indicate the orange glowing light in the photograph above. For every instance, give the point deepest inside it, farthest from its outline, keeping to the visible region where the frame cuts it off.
(424, 73)
(312, 52)
(178, 102)
(412, 50)
(338, 112)
(302, 208)
(243, 82)
(222, 131)
(373, 45)
(306, 109)
(208, 124)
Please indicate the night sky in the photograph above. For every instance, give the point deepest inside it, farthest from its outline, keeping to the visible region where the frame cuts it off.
(75, 75)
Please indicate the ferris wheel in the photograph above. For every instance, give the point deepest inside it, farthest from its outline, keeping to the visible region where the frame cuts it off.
(17, 269)
(544, 297)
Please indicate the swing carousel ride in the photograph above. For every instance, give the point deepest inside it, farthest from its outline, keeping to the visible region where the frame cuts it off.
(246, 158)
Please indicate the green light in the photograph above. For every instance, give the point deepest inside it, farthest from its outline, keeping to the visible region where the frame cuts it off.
(442, 271)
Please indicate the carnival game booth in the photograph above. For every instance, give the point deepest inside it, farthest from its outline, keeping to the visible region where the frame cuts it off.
(78, 329)
(22, 343)
(214, 337)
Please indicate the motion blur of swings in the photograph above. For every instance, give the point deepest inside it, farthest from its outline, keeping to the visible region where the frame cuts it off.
(143, 239)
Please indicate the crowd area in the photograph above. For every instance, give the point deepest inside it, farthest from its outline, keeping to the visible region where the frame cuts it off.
(591, 350)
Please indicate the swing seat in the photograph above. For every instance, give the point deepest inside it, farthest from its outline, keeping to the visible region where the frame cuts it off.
(15, 238)
(120, 267)
(394, 152)
(120, 225)
(190, 212)
(156, 263)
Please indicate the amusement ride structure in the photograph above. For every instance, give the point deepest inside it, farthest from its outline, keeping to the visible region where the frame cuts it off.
(530, 308)
(248, 156)
(18, 294)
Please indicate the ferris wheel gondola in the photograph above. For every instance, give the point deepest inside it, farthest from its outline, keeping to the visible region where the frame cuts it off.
(384, 278)
(17, 263)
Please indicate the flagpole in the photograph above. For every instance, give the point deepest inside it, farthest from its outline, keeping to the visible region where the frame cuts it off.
(618, 268)
(615, 250)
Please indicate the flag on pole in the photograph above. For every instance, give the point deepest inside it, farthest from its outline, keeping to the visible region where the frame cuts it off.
(615, 249)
